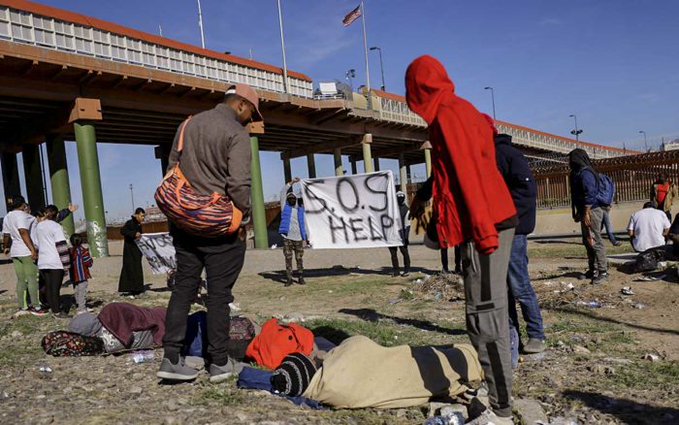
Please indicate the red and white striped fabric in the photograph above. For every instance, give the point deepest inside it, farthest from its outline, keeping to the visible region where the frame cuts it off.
(352, 16)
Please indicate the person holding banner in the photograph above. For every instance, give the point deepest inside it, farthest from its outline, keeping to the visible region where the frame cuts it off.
(405, 231)
(294, 231)
(474, 208)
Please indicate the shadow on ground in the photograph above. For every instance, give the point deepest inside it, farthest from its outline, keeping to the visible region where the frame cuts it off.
(580, 312)
(627, 411)
(280, 276)
(370, 315)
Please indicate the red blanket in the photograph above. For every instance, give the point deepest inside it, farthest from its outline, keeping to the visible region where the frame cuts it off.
(121, 319)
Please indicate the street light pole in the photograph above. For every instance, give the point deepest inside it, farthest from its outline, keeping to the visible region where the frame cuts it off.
(379, 50)
(492, 97)
(132, 194)
(645, 142)
(577, 131)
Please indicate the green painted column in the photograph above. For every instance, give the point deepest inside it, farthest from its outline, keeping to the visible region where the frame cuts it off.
(367, 153)
(257, 196)
(403, 169)
(311, 164)
(33, 175)
(90, 180)
(287, 170)
(339, 168)
(61, 187)
(10, 174)
(427, 161)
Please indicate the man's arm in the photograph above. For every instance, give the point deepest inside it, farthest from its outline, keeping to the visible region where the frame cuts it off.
(238, 180)
(6, 243)
(26, 237)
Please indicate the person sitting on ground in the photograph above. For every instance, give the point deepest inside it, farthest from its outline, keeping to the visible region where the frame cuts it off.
(53, 258)
(404, 233)
(663, 192)
(648, 228)
(294, 230)
(81, 261)
(18, 244)
(588, 211)
(132, 274)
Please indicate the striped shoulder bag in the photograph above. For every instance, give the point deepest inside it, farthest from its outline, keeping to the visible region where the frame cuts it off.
(210, 216)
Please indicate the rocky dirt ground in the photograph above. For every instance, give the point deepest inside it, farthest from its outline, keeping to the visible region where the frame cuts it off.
(612, 358)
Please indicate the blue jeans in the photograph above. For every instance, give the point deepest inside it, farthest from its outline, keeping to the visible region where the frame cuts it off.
(608, 226)
(521, 290)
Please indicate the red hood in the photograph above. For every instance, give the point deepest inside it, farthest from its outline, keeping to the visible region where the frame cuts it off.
(491, 122)
(427, 85)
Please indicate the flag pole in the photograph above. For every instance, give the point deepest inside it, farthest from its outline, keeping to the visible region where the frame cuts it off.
(200, 24)
(285, 64)
(365, 47)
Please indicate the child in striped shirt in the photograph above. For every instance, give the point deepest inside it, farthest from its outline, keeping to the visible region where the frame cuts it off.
(81, 261)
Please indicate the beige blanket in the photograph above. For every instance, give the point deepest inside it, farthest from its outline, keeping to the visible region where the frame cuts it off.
(360, 373)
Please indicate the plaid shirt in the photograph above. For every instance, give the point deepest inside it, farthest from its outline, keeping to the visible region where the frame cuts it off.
(81, 261)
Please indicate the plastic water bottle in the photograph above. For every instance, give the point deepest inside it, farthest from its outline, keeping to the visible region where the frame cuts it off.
(143, 356)
(454, 419)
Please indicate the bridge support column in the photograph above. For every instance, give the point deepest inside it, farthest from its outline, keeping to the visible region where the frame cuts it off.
(354, 168)
(376, 164)
(367, 153)
(427, 160)
(61, 187)
(311, 164)
(10, 175)
(257, 194)
(287, 170)
(162, 153)
(403, 170)
(90, 180)
(33, 176)
(337, 156)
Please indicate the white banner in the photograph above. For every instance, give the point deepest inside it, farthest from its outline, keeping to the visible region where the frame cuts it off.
(159, 251)
(358, 211)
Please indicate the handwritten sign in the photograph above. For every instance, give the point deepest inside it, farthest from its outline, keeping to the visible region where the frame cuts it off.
(159, 251)
(358, 211)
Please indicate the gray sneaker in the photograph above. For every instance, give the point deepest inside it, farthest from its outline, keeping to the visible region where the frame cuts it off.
(222, 373)
(534, 346)
(176, 372)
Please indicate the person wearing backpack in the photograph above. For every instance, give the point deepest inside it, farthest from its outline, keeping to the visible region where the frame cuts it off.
(211, 155)
(587, 203)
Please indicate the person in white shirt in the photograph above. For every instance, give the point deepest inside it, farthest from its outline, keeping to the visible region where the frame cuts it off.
(53, 257)
(648, 228)
(17, 228)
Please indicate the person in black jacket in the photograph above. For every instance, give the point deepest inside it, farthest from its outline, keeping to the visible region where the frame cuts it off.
(521, 183)
(132, 275)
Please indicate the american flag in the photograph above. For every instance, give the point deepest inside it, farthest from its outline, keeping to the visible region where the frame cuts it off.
(352, 16)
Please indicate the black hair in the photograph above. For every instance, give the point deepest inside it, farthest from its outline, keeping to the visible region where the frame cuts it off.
(51, 211)
(76, 240)
(15, 202)
(650, 204)
(139, 211)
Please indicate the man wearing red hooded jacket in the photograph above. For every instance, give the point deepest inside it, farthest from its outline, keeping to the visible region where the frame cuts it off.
(475, 209)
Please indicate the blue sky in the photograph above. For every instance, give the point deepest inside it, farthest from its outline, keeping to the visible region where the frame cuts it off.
(613, 63)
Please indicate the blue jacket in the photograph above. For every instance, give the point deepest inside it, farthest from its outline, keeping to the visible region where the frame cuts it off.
(584, 189)
(520, 181)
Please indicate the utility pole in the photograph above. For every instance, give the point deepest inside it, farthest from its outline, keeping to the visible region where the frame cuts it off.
(492, 98)
(577, 131)
(132, 194)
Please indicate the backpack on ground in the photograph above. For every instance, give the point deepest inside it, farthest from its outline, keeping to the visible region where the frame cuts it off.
(208, 216)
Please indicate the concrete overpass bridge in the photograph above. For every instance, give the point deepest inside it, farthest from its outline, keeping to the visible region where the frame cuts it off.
(65, 76)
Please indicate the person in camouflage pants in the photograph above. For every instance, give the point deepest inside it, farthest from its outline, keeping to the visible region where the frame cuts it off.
(293, 229)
